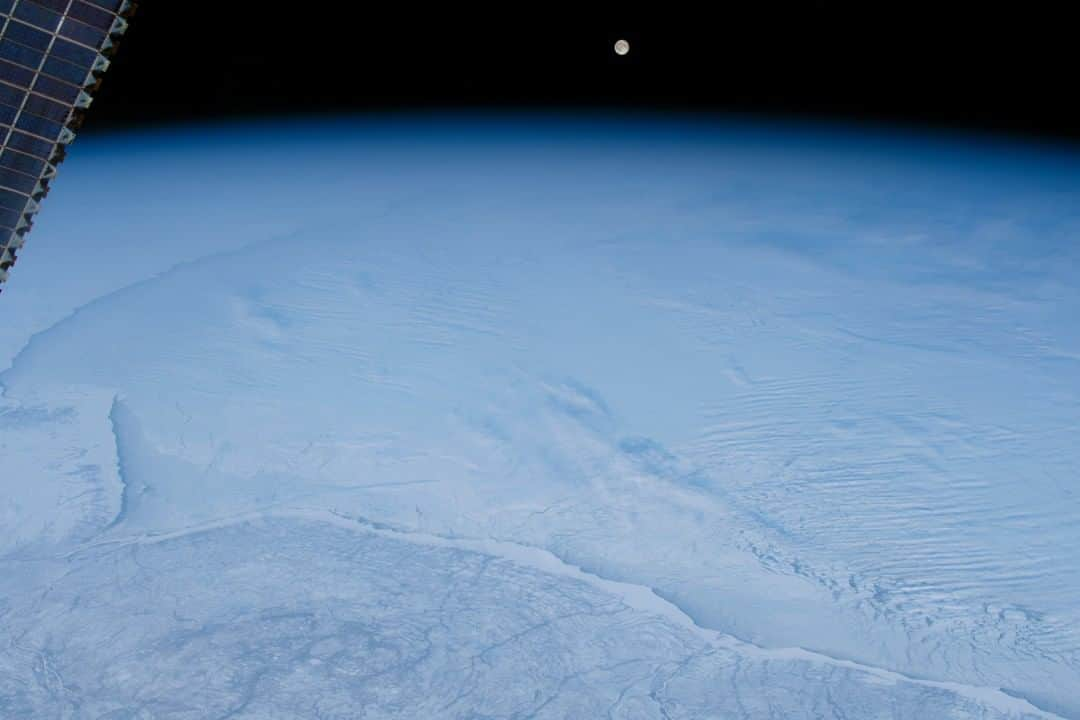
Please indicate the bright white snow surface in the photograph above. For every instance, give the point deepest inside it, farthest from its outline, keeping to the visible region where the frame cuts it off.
(523, 417)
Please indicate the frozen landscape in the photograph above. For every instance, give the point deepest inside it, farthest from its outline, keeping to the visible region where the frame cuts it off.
(531, 418)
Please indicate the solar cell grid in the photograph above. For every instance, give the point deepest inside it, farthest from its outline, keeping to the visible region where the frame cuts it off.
(111, 5)
(91, 15)
(11, 95)
(38, 16)
(46, 108)
(39, 126)
(9, 218)
(77, 54)
(52, 53)
(16, 74)
(20, 54)
(23, 163)
(27, 35)
(85, 34)
(17, 181)
(27, 143)
(63, 70)
(57, 5)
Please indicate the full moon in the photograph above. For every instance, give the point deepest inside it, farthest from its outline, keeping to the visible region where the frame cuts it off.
(621, 47)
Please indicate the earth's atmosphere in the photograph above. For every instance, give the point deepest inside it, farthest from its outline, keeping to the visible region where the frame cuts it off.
(536, 418)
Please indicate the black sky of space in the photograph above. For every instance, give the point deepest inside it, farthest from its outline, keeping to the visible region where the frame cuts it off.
(965, 67)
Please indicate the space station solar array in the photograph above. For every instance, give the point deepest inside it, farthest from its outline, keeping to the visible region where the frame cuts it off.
(52, 56)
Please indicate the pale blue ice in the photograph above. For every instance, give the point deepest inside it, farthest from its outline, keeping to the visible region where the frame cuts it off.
(519, 417)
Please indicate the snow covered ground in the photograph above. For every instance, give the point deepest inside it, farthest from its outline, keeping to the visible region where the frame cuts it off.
(541, 419)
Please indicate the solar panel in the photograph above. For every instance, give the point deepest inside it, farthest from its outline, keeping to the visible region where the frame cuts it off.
(52, 56)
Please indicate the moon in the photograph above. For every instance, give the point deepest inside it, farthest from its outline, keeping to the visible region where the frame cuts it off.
(622, 47)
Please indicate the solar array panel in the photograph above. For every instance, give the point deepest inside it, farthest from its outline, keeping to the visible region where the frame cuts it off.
(52, 56)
